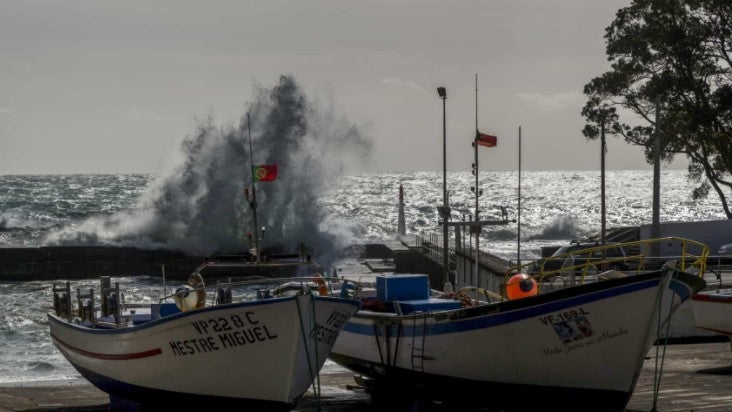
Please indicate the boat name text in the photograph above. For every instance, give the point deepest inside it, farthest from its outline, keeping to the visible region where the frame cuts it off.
(570, 346)
(222, 324)
(563, 316)
(223, 333)
(571, 325)
(328, 332)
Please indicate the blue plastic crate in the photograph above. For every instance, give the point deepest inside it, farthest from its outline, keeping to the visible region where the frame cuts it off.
(402, 287)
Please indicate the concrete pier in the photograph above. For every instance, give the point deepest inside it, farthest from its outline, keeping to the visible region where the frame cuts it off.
(78, 262)
(418, 254)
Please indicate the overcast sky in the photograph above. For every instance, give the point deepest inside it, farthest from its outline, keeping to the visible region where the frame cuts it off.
(113, 86)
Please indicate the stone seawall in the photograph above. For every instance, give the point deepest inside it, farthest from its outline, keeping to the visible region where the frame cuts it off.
(77, 262)
(80, 262)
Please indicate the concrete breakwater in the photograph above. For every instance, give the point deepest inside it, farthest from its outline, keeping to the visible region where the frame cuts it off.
(409, 254)
(78, 262)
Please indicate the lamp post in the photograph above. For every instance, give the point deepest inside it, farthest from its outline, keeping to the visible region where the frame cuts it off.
(445, 209)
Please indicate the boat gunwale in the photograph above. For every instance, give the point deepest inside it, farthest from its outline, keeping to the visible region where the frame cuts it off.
(543, 298)
(498, 313)
(165, 319)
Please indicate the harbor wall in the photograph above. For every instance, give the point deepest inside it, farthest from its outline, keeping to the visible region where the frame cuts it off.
(78, 262)
(81, 262)
(491, 270)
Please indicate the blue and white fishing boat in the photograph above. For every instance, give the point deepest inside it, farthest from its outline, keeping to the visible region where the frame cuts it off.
(247, 343)
(562, 339)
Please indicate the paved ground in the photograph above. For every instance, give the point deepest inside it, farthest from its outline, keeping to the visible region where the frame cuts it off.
(696, 377)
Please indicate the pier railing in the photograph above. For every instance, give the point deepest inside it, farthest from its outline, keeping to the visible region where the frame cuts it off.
(486, 273)
(717, 270)
(430, 246)
(591, 264)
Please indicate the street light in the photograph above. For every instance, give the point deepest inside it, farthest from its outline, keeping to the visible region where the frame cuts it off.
(445, 209)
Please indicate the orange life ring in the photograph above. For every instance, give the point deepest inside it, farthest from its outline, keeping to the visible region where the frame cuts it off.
(320, 281)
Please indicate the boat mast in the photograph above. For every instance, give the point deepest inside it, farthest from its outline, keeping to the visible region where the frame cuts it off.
(253, 203)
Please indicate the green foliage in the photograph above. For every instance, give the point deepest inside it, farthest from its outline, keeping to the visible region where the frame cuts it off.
(677, 53)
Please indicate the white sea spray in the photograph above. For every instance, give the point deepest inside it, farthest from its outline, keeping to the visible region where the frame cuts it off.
(199, 207)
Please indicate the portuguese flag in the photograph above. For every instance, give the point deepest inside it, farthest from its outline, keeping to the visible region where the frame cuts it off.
(486, 140)
(264, 173)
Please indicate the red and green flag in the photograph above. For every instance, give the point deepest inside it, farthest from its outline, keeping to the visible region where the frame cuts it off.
(264, 173)
(486, 140)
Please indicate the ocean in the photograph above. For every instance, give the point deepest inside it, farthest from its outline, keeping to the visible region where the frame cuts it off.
(144, 211)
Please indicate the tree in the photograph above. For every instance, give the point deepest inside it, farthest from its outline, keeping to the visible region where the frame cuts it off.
(677, 53)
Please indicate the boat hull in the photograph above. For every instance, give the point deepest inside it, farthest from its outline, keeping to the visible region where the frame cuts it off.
(587, 342)
(713, 310)
(263, 353)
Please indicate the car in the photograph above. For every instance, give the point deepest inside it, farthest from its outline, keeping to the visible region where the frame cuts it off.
(564, 256)
(725, 249)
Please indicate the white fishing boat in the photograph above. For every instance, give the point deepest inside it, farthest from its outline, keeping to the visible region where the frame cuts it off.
(574, 338)
(245, 343)
(713, 310)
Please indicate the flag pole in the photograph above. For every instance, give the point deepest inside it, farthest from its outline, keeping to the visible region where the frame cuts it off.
(253, 203)
(477, 191)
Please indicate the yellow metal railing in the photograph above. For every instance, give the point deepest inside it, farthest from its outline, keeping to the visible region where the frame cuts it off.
(578, 264)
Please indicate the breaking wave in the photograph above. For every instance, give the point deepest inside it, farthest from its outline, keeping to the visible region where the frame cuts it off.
(564, 227)
(199, 207)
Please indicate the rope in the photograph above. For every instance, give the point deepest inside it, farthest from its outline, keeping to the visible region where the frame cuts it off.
(396, 346)
(307, 351)
(317, 362)
(378, 344)
(658, 372)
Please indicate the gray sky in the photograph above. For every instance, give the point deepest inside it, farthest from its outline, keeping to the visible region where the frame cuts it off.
(113, 86)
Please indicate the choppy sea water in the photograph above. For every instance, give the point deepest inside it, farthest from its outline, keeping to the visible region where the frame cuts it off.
(557, 206)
